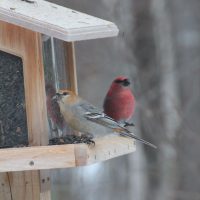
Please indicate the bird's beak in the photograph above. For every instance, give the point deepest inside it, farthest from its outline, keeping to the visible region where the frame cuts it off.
(56, 97)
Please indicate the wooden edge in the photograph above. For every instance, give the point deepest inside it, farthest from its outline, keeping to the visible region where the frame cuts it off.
(107, 29)
(71, 66)
(64, 156)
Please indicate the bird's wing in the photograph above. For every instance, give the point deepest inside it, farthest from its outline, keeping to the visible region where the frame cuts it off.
(102, 119)
(94, 114)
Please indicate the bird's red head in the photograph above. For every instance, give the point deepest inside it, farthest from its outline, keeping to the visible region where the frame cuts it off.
(121, 82)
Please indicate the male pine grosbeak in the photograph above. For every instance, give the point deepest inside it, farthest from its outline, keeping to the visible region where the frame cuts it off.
(119, 102)
(86, 118)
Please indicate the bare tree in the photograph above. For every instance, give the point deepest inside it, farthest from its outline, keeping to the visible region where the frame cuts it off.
(169, 98)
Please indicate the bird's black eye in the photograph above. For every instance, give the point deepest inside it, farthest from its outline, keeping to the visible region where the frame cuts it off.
(65, 93)
(126, 82)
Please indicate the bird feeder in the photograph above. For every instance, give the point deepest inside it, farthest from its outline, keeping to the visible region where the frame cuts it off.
(37, 47)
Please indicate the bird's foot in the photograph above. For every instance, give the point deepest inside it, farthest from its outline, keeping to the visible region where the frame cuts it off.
(87, 140)
(128, 124)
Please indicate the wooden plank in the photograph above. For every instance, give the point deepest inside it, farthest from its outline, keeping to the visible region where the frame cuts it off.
(54, 20)
(36, 105)
(5, 190)
(41, 157)
(71, 66)
(110, 147)
(64, 156)
(45, 185)
(26, 183)
(27, 44)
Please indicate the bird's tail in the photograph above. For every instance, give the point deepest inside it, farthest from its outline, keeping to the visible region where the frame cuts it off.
(129, 134)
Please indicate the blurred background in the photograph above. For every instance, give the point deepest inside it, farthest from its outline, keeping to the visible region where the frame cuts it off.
(158, 48)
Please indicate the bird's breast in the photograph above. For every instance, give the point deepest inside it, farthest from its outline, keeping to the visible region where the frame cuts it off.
(76, 120)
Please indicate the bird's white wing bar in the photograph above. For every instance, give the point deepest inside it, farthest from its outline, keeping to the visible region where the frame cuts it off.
(90, 115)
(103, 119)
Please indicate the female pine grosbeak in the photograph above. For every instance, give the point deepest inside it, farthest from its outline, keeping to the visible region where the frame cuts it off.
(119, 102)
(86, 118)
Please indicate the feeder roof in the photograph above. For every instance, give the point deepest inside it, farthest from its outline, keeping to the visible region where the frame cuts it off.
(54, 20)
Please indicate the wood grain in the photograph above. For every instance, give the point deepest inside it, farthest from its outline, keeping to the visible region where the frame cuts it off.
(24, 185)
(71, 66)
(64, 156)
(27, 44)
(5, 190)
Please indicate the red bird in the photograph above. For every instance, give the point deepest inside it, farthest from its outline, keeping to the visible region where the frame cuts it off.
(119, 102)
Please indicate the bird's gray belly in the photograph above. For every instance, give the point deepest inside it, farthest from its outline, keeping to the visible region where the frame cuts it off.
(76, 119)
(88, 127)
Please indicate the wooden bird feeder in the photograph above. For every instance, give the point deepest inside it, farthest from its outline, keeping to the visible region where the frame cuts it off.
(37, 48)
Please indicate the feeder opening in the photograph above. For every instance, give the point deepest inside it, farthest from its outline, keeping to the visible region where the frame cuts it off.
(13, 123)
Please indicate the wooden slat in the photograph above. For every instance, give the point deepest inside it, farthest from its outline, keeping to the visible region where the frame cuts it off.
(110, 147)
(71, 66)
(64, 156)
(45, 185)
(32, 158)
(5, 190)
(27, 44)
(26, 183)
(54, 20)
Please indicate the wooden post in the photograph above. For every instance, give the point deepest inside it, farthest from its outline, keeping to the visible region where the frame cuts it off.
(30, 185)
(5, 192)
(71, 66)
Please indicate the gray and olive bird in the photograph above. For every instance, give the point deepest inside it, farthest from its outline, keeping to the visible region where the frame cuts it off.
(82, 116)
